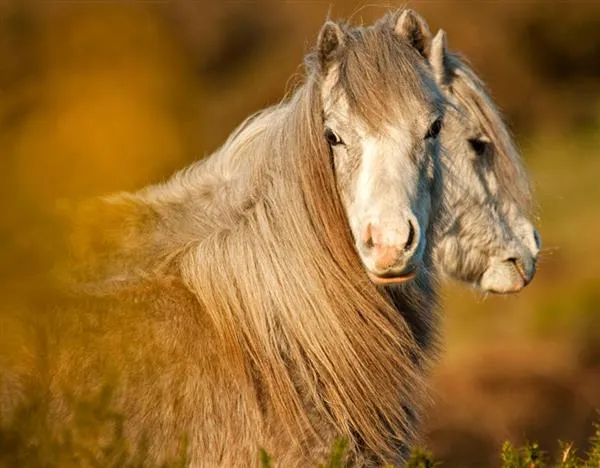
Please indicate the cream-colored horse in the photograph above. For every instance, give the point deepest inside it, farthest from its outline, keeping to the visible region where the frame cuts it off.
(237, 303)
(485, 237)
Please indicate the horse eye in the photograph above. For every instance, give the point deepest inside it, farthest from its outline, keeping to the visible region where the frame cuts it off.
(478, 146)
(434, 130)
(332, 138)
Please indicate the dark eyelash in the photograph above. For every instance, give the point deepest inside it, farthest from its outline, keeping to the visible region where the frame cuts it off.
(332, 138)
(434, 129)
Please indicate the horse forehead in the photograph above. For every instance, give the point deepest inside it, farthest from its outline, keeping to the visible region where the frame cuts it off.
(393, 141)
(476, 104)
(405, 103)
(337, 108)
(459, 123)
(401, 116)
(328, 85)
(486, 120)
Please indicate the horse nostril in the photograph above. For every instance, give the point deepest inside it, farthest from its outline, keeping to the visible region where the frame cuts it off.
(525, 273)
(411, 236)
(368, 237)
(537, 239)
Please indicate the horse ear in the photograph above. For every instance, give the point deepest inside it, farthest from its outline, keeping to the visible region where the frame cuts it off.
(413, 28)
(329, 44)
(438, 57)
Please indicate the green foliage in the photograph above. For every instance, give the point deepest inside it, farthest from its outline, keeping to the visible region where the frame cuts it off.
(531, 456)
(528, 456)
(421, 458)
(265, 459)
(338, 454)
(568, 455)
(593, 455)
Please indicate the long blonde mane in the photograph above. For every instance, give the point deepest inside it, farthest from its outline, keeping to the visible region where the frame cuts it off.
(287, 293)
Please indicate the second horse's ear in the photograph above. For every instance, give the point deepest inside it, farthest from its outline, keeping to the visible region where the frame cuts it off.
(413, 28)
(329, 44)
(439, 57)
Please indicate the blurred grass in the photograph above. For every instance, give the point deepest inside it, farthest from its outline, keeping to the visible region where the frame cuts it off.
(95, 437)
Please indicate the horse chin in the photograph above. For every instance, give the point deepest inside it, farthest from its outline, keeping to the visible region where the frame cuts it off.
(388, 280)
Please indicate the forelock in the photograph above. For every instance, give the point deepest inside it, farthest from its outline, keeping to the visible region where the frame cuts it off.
(380, 75)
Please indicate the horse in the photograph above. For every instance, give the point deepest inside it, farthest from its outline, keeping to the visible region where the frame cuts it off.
(485, 237)
(245, 303)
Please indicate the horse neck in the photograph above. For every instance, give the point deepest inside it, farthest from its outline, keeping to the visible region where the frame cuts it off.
(417, 303)
(213, 194)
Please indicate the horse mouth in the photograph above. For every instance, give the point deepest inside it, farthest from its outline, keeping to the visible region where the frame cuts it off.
(397, 279)
(507, 277)
(526, 279)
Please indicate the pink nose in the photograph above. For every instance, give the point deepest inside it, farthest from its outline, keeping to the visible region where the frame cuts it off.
(392, 248)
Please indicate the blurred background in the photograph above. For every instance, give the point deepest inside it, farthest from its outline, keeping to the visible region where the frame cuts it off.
(99, 96)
